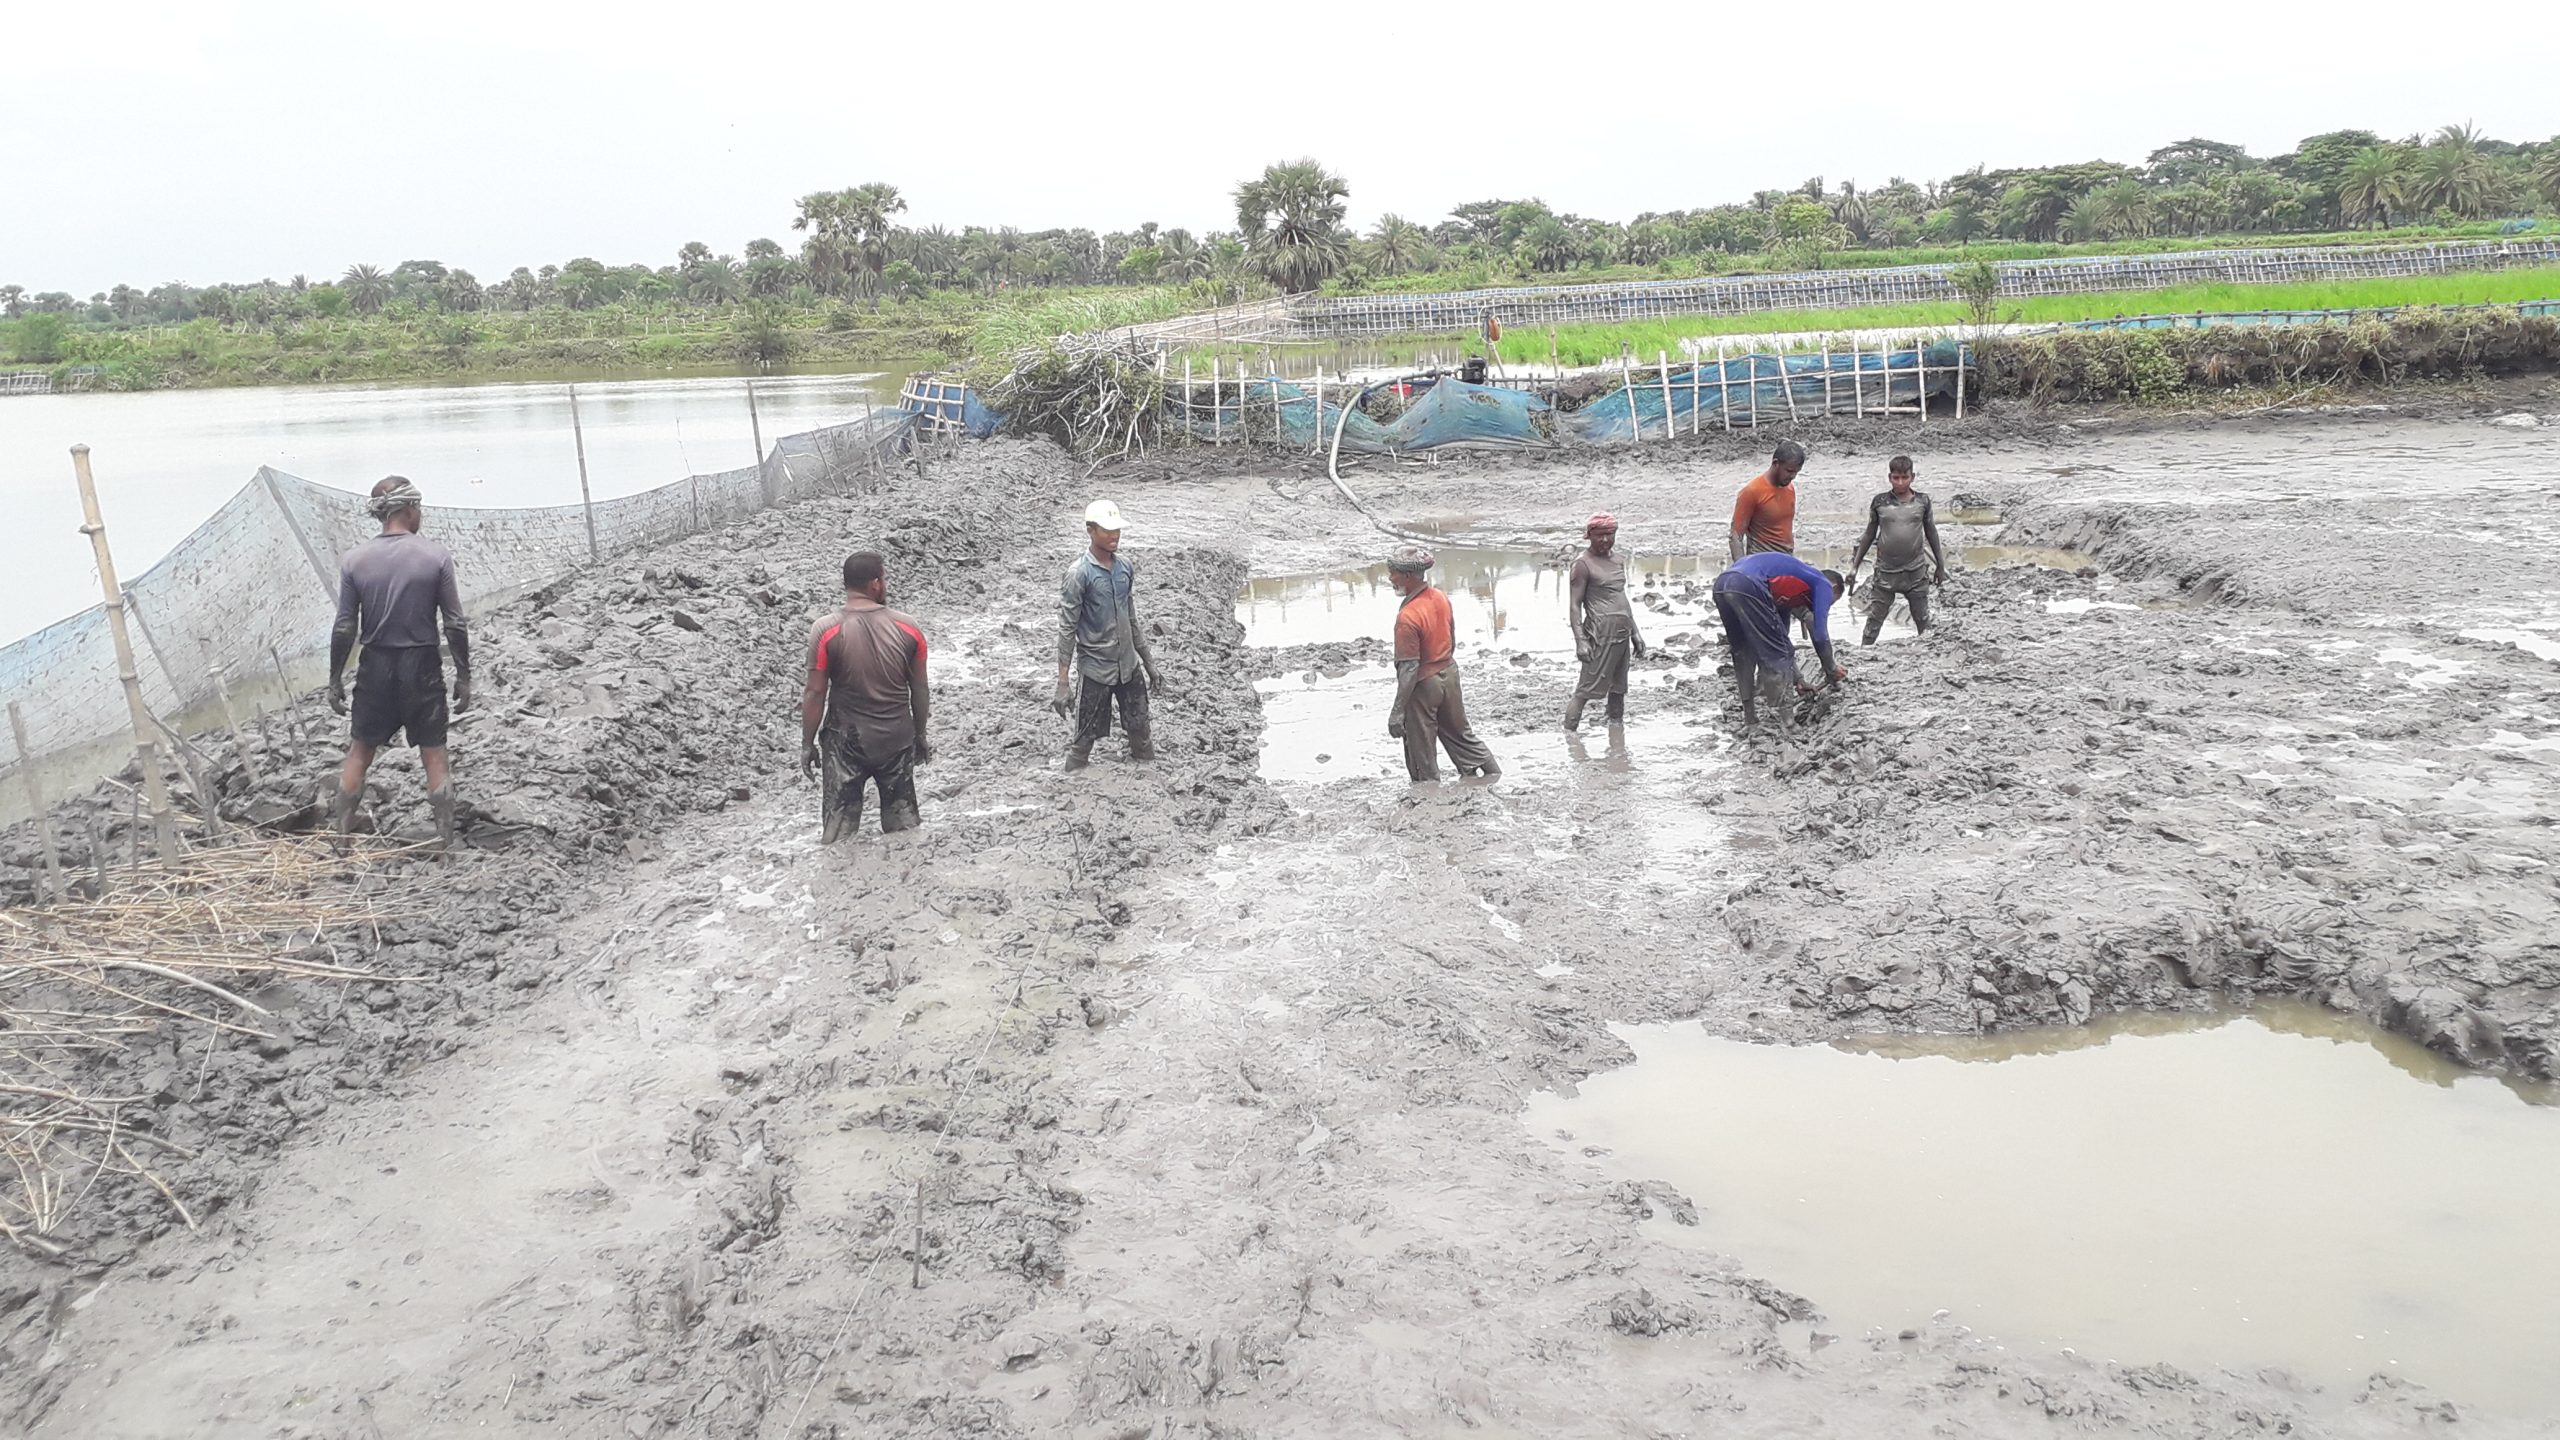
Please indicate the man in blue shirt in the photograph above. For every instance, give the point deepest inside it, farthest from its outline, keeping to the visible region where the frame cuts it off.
(1100, 640)
(1757, 598)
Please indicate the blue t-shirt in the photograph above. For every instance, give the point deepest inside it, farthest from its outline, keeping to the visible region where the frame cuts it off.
(1768, 565)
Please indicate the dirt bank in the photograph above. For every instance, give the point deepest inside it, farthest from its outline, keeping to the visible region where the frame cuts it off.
(1169, 1100)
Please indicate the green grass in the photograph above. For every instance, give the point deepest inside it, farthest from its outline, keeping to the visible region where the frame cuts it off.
(1597, 344)
(1485, 276)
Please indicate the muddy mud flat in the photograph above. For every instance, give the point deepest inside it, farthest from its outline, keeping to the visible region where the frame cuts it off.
(1255, 1093)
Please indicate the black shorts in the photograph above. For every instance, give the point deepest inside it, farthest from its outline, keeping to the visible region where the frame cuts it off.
(850, 767)
(399, 688)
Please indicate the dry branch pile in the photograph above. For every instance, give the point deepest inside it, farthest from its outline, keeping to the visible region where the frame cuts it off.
(1095, 395)
(167, 946)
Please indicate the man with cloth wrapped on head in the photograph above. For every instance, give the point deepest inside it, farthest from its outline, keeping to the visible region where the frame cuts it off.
(1757, 598)
(1604, 623)
(391, 589)
(1430, 713)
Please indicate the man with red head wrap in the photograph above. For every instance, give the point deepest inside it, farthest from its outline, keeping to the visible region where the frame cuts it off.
(1603, 622)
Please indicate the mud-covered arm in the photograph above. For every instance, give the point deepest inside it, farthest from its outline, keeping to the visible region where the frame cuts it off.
(342, 634)
(1574, 586)
(813, 692)
(1929, 527)
(1875, 517)
(919, 691)
(1823, 597)
(1739, 542)
(1070, 609)
(457, 628)
(1408, 668)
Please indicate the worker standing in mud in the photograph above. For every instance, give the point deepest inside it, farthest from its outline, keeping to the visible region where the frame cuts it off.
(1764, 510)
(1758, 597)
(1430, 711)
(864, 704)
(1603, 621)
(1099, 638)
(1902, 526)
(391, 589)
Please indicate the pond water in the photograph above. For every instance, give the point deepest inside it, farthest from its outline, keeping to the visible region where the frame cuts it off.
(165, 459)
(2279, 1187)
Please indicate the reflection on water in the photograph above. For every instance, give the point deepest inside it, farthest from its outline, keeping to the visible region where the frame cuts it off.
(166, 458)
(2252, 1189)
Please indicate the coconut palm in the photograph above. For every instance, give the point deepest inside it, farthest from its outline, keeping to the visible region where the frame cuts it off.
(849, 231)
(2371, 187)
(1550, 244)
(1851, 210)
(1185, 258)
(714, 281)
(762, 250)
(1291, 219)
(366, 287)
(1957, 221)
(2546, 171)
(2124, 208)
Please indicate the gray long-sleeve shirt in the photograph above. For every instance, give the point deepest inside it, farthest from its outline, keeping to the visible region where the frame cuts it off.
(391, 587)
(1098, 620)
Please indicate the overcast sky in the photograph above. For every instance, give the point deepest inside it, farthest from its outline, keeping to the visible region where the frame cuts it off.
(225, 141)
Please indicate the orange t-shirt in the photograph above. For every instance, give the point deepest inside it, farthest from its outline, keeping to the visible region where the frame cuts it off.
(1766, 512)
(1426, 631)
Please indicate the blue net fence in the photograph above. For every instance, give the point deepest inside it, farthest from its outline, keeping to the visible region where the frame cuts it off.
(252, 591)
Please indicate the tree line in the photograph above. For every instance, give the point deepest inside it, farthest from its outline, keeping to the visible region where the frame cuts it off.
(1291, 233)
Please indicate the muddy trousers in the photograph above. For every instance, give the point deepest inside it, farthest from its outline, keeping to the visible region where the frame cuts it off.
(1604, 673)
(1880, 607)
(1435, 718)
(1093, 719)
(850, 772)
(1764, 654)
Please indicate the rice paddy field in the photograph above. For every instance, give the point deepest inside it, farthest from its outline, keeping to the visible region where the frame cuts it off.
(1599, 342)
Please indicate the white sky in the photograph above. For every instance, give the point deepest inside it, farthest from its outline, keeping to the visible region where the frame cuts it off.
(219, 140)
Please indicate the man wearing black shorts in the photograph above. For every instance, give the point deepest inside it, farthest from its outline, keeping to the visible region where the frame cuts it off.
(391, 590)
(864, 704)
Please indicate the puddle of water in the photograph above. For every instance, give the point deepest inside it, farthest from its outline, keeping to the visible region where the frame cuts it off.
(2281, 1187)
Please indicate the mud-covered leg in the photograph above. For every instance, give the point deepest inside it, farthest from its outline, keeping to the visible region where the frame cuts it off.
(1136, 720)
(1918, 600)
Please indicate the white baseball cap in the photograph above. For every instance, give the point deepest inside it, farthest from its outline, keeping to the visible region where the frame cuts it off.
(1102, 515)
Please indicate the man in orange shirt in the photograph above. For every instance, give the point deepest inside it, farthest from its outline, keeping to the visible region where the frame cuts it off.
(1764, 514)
(1430, 712)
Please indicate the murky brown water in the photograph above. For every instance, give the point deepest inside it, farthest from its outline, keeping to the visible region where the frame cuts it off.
(2284, 1187)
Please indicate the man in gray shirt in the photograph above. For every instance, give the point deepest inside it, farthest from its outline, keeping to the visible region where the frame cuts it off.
(1603, 622)
(1902, 525)
(391, 590)
(1100, 639)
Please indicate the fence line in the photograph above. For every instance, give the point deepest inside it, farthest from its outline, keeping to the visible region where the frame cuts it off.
(1344, 315)
(255, 587)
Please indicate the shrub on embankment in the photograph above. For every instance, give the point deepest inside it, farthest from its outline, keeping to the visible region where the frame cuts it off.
(2085, 365)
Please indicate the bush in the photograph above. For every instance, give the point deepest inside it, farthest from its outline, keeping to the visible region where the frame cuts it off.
(2154, 365)
(38, 339)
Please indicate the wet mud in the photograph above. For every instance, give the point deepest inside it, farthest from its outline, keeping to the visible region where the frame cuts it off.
(1189, 1098)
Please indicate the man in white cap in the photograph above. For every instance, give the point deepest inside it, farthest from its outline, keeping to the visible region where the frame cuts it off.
(1100, 640)
(1430, 712)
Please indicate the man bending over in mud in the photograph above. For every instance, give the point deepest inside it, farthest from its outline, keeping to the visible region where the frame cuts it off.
(1764, 511)
(1756, 598)
(390, 590)
(1900, 523)
(1099, 635)
(1430, 712)
(1604, 623)
(864, 705)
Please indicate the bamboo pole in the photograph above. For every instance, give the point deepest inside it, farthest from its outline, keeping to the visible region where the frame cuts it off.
(35, 803)
(1787, 384)
(146, 749)
(1187, 421)
(1627, 379)
(1662, 361)
(586, 499)
(231, 718)
(1826, 377)
(1857, 380)
(1752, 363)
(755, 427)
(1694, 377)
(1959, 379)
(1217, 400)
(1920, 364)
(1724, 390)
(97, 856)
(1555, 355)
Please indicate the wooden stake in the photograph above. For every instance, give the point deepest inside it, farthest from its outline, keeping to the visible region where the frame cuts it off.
(1857, 380)
(1724, 390)
(1627, 382)
(292, 711)
(915, 1277)
(1186, 395)
(586, 499)
(1787, 383)
(1920, 363)
(1959, 379)
(1826, 377)
(98, 856)
(35, 803)
(146, 749)
(1662, 362)
(231, 718)
(1217, 401)
(1694, 418)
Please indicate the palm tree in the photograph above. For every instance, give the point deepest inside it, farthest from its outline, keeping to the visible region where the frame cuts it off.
(849, 230)
(713, 281)
(762, 250)
(1291, 219)
(367, 287)
(13, 300)
(521, 289)
(2546, 171)
(1851, 210)
(2086, 219)
(2124, 208)
(1397, 245)
(2370, 189)
(1550, 244)
(1958, 221)
(1185, 258)
(2450, 176)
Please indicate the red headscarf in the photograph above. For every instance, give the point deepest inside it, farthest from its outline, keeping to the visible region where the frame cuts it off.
(1599, 522)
